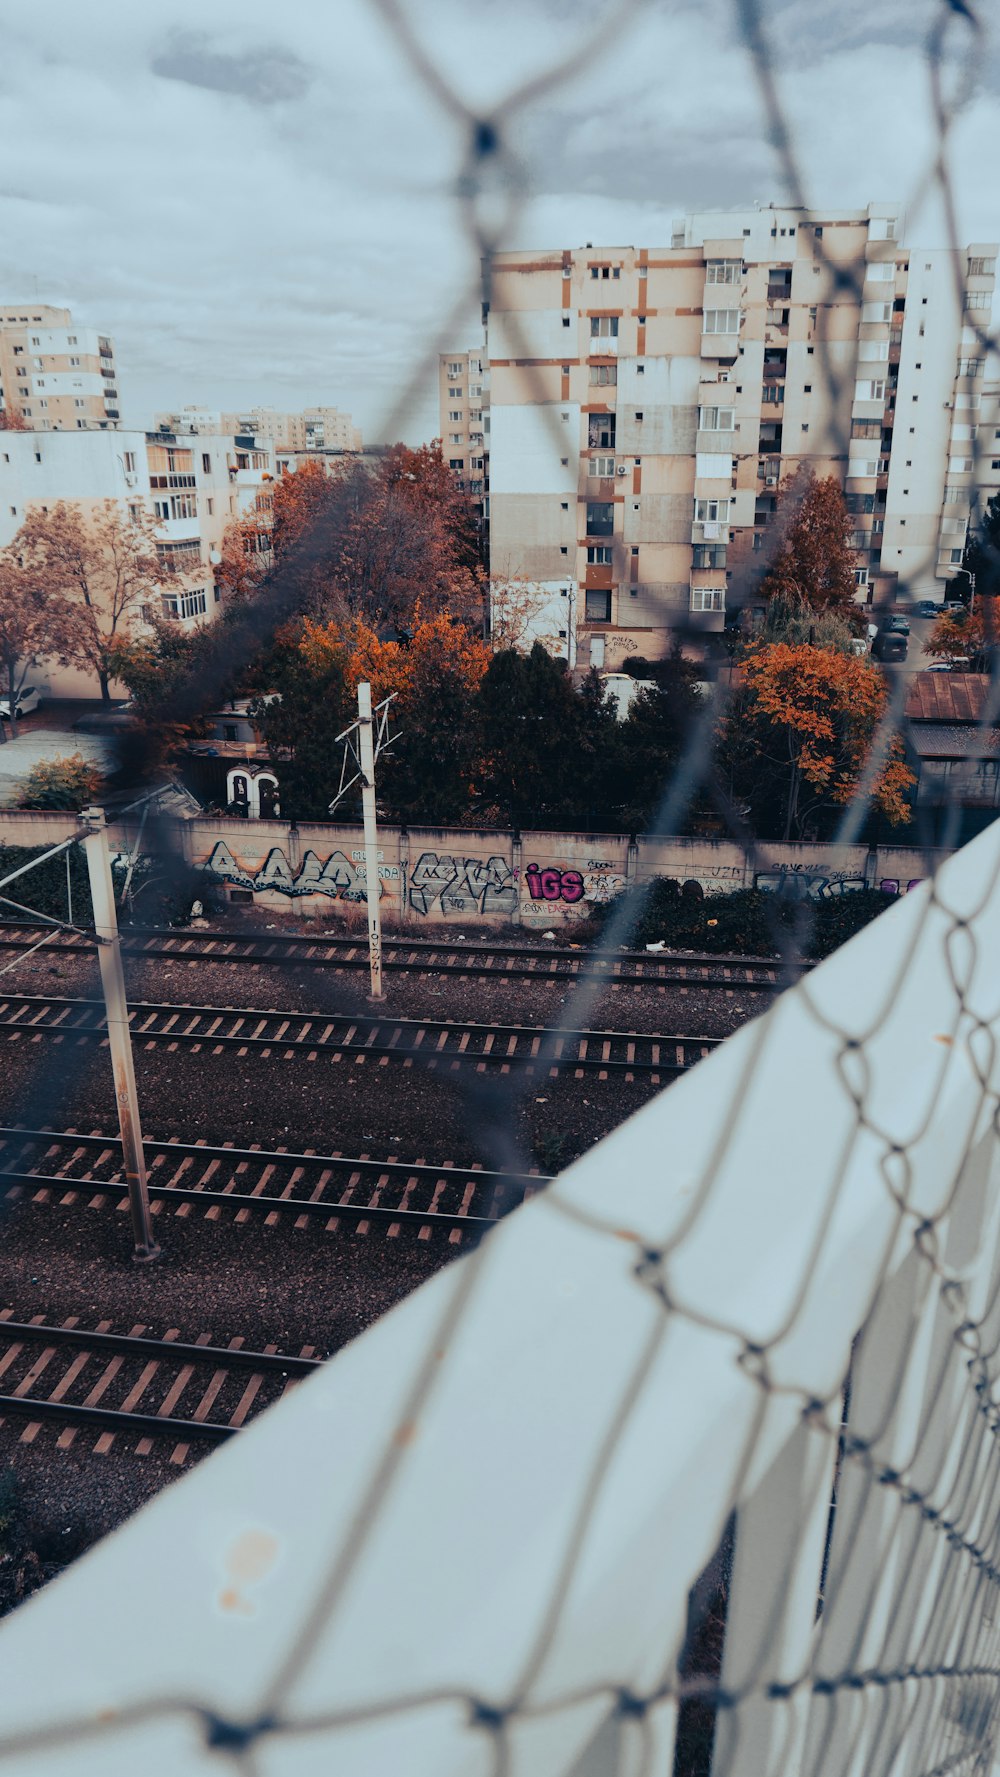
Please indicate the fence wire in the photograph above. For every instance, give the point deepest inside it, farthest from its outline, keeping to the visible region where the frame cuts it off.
(901, 1664)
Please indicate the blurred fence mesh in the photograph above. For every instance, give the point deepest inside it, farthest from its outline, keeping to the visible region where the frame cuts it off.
(849, 1621)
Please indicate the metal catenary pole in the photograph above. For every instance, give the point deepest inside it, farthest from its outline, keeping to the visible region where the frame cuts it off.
(372, 886)
(95, 845)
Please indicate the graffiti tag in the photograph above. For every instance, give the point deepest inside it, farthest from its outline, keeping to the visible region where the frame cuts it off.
(808, 885)
(338, 877)
(462, 885)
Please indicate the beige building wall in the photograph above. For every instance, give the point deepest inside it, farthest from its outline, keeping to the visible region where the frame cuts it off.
(464, 421)
(314, 429)
(647, 407)
(54, 374)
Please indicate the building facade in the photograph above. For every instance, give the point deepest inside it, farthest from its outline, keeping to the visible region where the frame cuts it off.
(647, 406)
(314, 429)
(192, 488)
(55, 375)
(464, 422)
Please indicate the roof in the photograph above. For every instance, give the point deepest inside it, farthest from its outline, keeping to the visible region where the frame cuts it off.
(946, 697)
(941, 740)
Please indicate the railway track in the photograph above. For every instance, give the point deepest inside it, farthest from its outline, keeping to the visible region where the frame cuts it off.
(128, 1388)
(426, 956)
(444, 1044)
(327, 1191)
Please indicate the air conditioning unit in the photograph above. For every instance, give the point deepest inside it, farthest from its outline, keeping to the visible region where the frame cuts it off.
(130, 480)
(770, 481)
(622, 469)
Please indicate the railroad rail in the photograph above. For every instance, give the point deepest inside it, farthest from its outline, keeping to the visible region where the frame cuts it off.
(481, 956)
(435, 1043)
(91, 1379)
(329, 1191)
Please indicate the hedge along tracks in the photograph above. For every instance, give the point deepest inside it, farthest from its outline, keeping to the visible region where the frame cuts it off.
(359, 1194)
(134, 1391)
(426, 956)
(443, 1044)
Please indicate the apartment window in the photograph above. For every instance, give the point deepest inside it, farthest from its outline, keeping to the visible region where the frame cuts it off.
(601, 429)
(598, 606)
(77, 402)
(71, 339)
(981, 268)
(881, 272)
(711, 512)
(970, 366)
(708, 598)
(565, 320)
(861, 576)
(643, 270)
(978, 299)
(859, 467)
(953, 496)
(456, 463)
(454, 369)
(603, 375)
(870, 391)
(773, 394)
(723, 271)
(210, 503)
(454, 438)
(721, 321)
(135, 511)
(716, 419)
(455, 393)
(874, 351)
(603, 466)
(43, 402)
(477, 463)
(183, 506)
(876, 311)
(959, 465)
(476, 389)
(640, 370)
(866, 428)
(18, 351)
(709, 555)
(604, 326)
(454, 413)
(600, 518)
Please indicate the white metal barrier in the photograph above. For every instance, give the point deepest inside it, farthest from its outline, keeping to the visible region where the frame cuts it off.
(469, 1544)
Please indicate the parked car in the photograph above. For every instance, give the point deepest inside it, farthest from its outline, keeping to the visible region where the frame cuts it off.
(955, 608)
(897, 626)
(961, 665)
(927, 608)
(889, 644)
(28, 698)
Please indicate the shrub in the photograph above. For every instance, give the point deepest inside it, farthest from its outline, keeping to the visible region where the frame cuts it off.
(749, 922)
(62, 783)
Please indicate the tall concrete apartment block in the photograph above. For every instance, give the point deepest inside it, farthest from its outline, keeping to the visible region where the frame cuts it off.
(647, 406)
(54, 374)
(464, 406)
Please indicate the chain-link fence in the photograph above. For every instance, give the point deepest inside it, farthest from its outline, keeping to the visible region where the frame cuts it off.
(691, 1466)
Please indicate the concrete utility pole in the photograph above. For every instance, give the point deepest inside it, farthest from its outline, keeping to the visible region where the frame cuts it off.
(109, 954)
(372, 889)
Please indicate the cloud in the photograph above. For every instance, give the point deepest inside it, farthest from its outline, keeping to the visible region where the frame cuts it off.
(310, 249)
(261, 76)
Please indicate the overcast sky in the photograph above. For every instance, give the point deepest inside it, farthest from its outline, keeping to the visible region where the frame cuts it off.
(259, 202)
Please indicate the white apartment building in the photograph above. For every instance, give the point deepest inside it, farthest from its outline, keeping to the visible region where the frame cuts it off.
(314, 429)
(464, 423)
(194, 488)
(647, 405)
(55, 375)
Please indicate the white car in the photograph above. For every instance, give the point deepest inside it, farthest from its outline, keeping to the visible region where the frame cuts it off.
(28, 698)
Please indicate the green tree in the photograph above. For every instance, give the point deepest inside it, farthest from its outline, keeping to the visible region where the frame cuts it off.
(307, 703)
(36, 623)
(544, 746)
(70, 783)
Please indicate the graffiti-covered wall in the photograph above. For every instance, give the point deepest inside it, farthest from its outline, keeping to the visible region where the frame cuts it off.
(541, 880)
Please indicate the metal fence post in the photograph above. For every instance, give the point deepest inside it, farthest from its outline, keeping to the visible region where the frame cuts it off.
(95, 845)
(372, 886)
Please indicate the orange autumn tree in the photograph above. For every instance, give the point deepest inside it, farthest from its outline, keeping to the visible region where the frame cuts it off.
(436, 676)
(813, 713)
(966, 635)
(815, 563)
